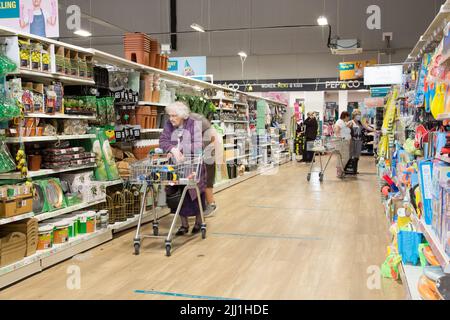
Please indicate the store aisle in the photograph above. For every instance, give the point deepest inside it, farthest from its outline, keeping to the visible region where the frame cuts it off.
(275, 237)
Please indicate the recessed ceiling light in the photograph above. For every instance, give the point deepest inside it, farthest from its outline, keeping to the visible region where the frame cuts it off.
(197, 27)
(242, 54)
(322, 21)
(82, 33)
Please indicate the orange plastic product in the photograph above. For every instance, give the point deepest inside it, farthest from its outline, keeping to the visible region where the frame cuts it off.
(427, 289)
(429, 255)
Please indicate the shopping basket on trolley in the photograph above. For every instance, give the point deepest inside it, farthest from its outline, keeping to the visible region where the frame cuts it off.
(159, 171)
(326, 146)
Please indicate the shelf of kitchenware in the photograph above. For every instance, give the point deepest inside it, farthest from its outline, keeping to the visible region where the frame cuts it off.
(59, 116)
(155, 104)
(57, 213)
(436, 245)
(410, 276)
(42, 172)
(41, 75)
(50, 138)
(46, 258)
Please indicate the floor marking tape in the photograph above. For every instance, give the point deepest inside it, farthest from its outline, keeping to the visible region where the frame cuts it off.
(268, 236)
(182, 295)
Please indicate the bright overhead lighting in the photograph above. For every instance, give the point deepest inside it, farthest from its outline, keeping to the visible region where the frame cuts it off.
(242, 54)
(197, 27)
(83, 33)
(322, 21)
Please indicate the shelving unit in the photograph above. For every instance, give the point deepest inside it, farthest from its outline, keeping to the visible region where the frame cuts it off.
(16, 218)
(112, 183)
(148, 103)
(151, 130)
(48, 77)
(59, 116)
(50, 138)
(410, 276)
(42, 172)
(57, 213)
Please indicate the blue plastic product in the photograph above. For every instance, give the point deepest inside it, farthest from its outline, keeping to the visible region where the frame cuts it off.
(426, 188)
(408, 246)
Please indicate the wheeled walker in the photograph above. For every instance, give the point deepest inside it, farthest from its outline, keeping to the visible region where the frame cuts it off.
(159, 171)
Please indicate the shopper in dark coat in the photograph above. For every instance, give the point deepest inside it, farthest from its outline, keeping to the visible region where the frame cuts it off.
(311, 128)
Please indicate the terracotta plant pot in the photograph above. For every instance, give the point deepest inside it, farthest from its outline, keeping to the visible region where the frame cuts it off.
(34, 162)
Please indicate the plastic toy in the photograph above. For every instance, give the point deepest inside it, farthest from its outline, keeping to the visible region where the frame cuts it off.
(429, 255)
(427, 289)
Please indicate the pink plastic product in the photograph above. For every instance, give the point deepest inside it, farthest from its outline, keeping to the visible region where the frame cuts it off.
(57, 152)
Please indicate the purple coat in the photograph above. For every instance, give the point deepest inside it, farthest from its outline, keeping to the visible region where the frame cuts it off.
(190, 142)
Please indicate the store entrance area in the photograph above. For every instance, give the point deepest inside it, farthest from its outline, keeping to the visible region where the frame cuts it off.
(274, 236)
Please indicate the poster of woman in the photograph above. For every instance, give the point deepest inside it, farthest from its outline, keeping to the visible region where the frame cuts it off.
(38, 17)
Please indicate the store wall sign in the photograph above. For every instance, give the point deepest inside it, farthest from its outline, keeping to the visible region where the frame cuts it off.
(9, 9)
(319, 84)
(353, 69)
(188, 66)
(36, 17)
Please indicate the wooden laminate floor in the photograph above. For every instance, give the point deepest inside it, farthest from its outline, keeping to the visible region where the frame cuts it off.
(275, 236)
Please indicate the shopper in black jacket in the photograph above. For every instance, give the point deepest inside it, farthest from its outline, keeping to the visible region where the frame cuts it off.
(311, 128)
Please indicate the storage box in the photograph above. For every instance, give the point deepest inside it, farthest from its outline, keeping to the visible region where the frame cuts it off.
(12, 248)
(10, 207)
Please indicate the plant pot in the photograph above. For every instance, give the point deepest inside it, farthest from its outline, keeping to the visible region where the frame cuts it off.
(34, 162)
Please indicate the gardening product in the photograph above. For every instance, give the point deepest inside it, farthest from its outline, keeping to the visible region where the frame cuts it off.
(34, 162)
(60, 231)
(45, 237)
(7, 163)
(38, 198)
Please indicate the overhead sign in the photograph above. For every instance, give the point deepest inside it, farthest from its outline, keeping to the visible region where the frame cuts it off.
(383, 75)
(353, 69)
(38, 17)
(379, 91)
(320, 84)
(188, 66)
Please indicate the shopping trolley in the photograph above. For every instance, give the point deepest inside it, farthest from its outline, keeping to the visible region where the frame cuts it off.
(159, 171)
(327, 146)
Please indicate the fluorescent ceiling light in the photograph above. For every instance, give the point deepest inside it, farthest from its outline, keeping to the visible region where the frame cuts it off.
(83, 33)
(197, 27)
(322, 21)
(242, 54)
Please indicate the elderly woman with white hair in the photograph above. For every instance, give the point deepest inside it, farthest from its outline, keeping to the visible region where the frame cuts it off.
(181, 137)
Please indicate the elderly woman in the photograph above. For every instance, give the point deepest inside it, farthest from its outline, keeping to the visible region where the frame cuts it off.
(182, 137)
(356, 143)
